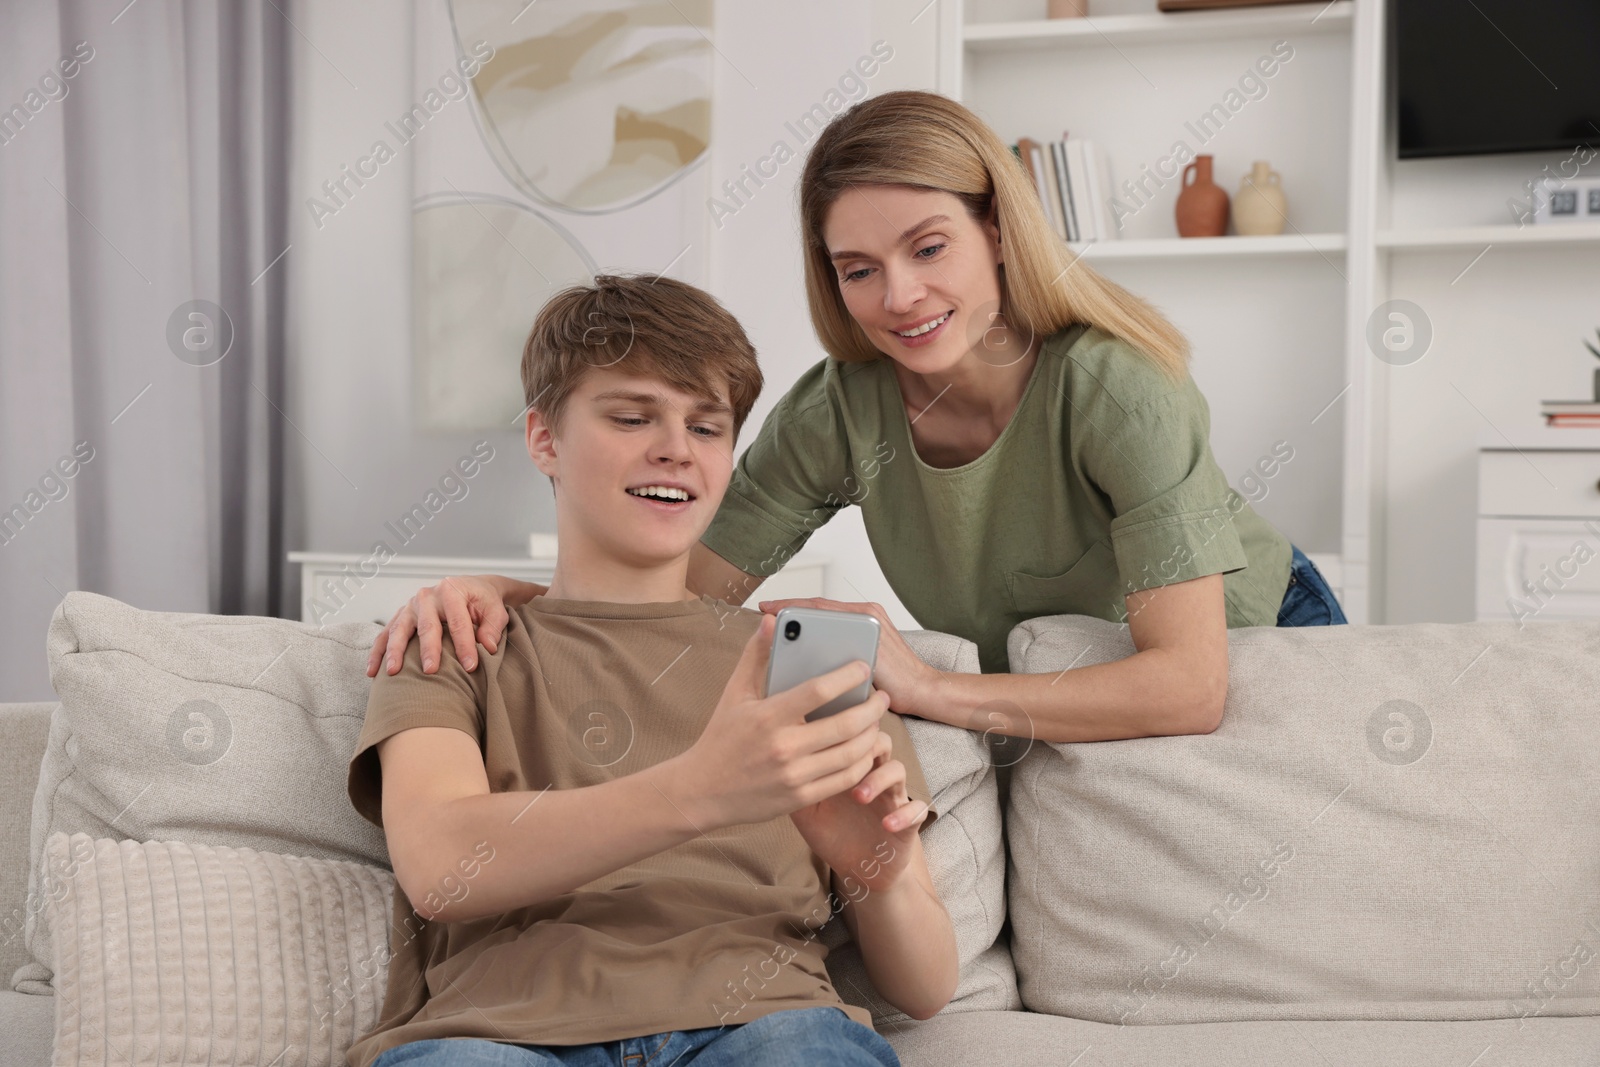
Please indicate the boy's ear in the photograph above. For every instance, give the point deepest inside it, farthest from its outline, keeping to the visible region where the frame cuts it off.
(541, 443)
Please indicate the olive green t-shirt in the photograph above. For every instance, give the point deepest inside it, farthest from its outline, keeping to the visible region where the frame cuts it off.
(718, 930)
(1102, 484)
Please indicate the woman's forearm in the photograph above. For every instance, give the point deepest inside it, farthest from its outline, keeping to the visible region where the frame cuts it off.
(1152, 693)
(711, 575)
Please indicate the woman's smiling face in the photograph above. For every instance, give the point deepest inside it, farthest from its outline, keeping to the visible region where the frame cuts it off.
(918, 274)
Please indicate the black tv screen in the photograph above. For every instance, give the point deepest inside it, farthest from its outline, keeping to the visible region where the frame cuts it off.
(1480, 76)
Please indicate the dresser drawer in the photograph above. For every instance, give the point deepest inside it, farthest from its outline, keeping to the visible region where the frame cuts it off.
(1558, 558)
(1539, 483)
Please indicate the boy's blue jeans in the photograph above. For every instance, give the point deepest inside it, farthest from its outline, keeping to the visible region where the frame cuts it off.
(1308, 600)
(798, 1037)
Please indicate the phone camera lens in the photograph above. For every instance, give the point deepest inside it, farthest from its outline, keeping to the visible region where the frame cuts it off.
(791, 630)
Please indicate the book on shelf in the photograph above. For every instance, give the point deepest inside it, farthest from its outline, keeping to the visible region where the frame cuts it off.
(1570, 412)
(1058, 161)
(1077, 171)
(1073, 180)
(1100, 190)
(1052, 191)
(1032, 155)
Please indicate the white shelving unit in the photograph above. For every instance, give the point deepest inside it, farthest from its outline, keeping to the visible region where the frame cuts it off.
(1476, 236)
(1097, 31)
(1364, 228)
(1291, 244)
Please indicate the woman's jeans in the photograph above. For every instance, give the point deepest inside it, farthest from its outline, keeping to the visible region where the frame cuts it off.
(1308, 601)
(796, 1037)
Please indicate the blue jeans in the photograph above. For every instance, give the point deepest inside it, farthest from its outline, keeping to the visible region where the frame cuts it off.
(1308, 601)
(797, 1037)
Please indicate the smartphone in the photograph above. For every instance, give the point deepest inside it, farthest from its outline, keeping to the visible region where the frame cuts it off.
(812, 641)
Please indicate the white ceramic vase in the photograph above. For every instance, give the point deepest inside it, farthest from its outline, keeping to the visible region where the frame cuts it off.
(1260, 208)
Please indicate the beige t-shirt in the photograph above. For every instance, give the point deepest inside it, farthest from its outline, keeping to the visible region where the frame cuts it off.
(721, 929)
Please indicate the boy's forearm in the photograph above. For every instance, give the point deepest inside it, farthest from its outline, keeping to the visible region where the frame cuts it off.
(544, 844)
(907, 942)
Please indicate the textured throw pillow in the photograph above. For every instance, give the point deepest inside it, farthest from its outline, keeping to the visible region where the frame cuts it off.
(1391, 822)
(965, 850)
(175, 953)
(210, 729)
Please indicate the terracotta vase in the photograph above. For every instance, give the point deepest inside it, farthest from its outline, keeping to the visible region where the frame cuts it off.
(1259, 207)
(1203, 205)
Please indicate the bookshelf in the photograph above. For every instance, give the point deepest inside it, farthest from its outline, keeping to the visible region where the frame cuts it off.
(1383, 477)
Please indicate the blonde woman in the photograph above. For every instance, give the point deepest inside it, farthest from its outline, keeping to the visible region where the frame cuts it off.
(1021, 434)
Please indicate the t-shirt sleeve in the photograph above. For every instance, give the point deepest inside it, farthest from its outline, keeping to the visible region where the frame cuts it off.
(793, 478)
(1170, 500)
(904, 751)
(453, 698)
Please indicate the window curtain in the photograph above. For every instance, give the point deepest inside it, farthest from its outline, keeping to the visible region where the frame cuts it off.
(143, 257)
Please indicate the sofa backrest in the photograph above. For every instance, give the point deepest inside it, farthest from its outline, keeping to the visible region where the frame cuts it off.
(236, 731)
(1391, 822)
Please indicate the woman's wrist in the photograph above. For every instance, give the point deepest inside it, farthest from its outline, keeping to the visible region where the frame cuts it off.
(929, 696)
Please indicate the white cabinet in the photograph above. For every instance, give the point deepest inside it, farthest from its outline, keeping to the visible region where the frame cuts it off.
(1539, 528)
(344, 587)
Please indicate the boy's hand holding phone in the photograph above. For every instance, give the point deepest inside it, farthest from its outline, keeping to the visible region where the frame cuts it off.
(759, 758)
(868, 833)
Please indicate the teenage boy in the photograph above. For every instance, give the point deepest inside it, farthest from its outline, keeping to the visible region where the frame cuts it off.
(609, 846)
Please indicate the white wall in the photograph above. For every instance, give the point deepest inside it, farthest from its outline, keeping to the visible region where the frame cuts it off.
(357, 460)
(1507, 333)
(790, 56)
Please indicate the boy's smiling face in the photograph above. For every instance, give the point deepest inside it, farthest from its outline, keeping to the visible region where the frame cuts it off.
(639, 467)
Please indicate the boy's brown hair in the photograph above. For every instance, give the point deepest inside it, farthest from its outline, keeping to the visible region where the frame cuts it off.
(642, 324)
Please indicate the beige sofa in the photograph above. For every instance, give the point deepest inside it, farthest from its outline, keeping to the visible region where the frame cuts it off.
(1389, 853)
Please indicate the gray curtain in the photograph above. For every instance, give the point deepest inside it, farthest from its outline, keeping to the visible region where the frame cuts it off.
(143, 169)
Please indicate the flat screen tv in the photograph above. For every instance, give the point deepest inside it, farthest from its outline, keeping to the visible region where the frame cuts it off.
(1481, 76)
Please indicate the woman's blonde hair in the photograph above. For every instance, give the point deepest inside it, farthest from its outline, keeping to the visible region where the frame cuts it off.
(927, 141)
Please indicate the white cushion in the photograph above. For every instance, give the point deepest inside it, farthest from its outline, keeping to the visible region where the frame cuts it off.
(210, 729)
(176, 953)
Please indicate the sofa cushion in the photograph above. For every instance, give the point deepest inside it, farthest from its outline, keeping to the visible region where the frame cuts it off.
(209, 729)
(176, 953)
(23, 730)
(965, 850)
(28, 1024)
(1016, 1038)
(1392, 822)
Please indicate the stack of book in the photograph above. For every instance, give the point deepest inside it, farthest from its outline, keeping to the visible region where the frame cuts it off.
(1073, 180)
(1570, 412)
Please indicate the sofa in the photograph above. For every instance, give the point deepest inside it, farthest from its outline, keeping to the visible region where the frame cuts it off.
(1388, 853)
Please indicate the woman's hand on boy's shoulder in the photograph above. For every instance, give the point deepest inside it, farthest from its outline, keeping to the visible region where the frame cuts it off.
(473, 606)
